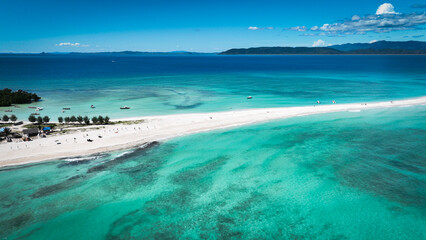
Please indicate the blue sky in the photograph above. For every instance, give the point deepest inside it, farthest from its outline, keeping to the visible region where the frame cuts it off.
(203, 26)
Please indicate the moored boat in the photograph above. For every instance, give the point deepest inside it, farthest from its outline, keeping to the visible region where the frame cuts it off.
(125, 107)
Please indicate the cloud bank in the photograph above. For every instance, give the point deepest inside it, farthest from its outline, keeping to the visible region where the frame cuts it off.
(260, 28)
(69, 44)
(385, 20)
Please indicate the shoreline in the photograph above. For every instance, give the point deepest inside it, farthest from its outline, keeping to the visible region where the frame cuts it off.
(161, 128)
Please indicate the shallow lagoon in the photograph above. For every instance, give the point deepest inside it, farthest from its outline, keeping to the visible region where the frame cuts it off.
(351, 175)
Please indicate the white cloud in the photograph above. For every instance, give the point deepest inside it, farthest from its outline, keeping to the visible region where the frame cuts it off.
(69, 44)
(385, 8)
(319, 43)
(260, 28)
(298, 28)
(386, 20)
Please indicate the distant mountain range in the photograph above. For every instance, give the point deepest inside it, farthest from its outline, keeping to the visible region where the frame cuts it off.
(379, 47)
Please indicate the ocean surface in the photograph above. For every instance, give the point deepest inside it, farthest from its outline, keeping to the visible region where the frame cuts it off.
(347, 175)
(157, 85)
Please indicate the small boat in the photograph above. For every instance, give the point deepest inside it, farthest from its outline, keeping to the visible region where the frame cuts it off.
(249, 97)
(125, 107)
(32, 107)
(66, 108)
(39, 109)
(35, 114)
(8, 110)
(92, 106)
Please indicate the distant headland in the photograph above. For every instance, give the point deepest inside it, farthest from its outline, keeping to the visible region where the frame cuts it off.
(379, 47)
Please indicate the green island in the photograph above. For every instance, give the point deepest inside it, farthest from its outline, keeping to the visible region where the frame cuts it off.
(9, 97)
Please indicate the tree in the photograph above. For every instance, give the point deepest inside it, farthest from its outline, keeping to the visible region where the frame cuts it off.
(94, 120)
(5, 118)
(67, 119)
(101, 119)
(32, 119)
(46, 119)
(39, 120)
(106, 120)
(86, 120)
(80, 119)
(73, 119)
(13, 118)
(60, 119)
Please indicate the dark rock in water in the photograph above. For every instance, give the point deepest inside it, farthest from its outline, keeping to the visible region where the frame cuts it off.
(10, 225)
(55, 188)
(120, 159)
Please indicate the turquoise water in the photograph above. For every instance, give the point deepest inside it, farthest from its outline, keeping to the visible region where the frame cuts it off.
(168, 85)
(350, 175)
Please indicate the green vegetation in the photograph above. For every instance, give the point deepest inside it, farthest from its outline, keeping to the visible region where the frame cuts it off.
(94, 120)
(101, 119)
(51, 125)
(9, 97)
(86, 120)
(46, 119)
(32, 119)
(6, 118)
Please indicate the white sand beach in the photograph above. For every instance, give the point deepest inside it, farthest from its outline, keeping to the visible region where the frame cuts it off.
(160, 128)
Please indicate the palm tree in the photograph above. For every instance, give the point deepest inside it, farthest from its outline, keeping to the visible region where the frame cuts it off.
(101, 119)
(46, 119)
(67, 119)
(73, 119)
(94, 120)
(13, 118)
(86, 120)
(60, 119)
(32, 119)
(80, 119)
(39, 120)
(106, 120)
(5, 118)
